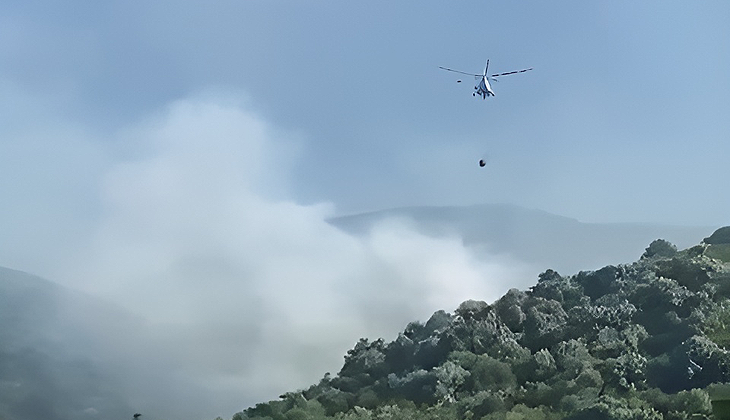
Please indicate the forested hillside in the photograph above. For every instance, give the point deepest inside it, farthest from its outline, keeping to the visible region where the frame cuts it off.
(634, 341)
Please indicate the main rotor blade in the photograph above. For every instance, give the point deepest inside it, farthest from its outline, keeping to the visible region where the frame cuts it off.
(510, 72)
(462, 72)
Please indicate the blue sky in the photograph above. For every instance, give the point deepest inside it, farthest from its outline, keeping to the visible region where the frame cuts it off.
(146, 146)
(625, 99)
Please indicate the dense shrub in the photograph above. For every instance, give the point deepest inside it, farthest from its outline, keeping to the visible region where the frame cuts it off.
(660, 248)
(625, 342)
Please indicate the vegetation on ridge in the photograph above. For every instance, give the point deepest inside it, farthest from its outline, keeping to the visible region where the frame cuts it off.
(637, 341)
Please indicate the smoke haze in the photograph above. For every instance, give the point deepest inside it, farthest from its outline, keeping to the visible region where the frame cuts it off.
(177, 166)
(236, 292)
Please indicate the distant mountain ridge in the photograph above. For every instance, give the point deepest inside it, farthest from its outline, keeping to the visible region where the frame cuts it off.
(645, 340)
(538, 237)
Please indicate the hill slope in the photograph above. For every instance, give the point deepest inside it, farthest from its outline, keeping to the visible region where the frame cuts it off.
(68, 355)
(44, 373)
(631, 341)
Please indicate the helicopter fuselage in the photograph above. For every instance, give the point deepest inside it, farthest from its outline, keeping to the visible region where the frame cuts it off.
(483, 89)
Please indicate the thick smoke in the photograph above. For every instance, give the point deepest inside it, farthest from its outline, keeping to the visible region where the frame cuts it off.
(240, 293)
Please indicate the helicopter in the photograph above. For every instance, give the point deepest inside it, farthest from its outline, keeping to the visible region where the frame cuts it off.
(483, 88)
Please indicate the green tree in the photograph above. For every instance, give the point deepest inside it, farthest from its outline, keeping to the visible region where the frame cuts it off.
(660, 248)
(545, 324)
(451, 379)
